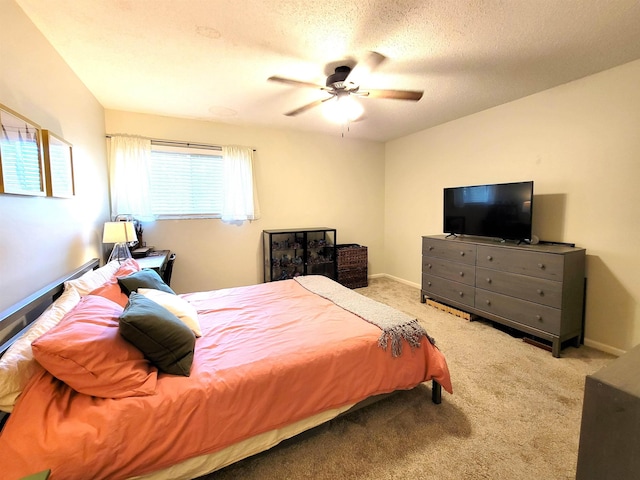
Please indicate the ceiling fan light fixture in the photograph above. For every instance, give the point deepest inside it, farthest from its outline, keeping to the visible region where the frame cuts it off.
(342, 109)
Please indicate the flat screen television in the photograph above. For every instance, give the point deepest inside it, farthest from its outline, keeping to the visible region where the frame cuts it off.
(501, 210)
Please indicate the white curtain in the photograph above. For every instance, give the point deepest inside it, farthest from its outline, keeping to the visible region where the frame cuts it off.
(129, 159)
(239, 199)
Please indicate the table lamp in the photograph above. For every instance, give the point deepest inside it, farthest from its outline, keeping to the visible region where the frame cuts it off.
(120, 233)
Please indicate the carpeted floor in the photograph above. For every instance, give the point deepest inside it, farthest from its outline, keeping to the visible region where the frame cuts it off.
(515, 413)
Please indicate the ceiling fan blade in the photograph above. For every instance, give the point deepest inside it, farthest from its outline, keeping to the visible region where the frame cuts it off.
(295, 83)
(373, 60)
(394, 94)
(363, 68)
(306, 107)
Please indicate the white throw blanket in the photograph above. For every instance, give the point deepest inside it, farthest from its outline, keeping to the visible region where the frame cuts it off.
(395, 325)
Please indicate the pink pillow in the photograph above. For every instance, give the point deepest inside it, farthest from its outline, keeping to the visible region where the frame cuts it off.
(86, 352)
(111, 289)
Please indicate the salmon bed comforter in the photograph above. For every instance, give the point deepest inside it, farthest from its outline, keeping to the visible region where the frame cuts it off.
(270, 354)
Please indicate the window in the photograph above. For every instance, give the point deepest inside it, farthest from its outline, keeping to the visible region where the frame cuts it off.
(166, 179)
(186, 182)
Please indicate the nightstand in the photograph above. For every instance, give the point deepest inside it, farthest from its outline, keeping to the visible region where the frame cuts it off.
(158, 260)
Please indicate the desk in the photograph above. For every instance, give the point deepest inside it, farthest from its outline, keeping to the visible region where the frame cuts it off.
(156, 260)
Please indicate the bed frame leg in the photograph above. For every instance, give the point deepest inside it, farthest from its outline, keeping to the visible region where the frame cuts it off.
(436, 392)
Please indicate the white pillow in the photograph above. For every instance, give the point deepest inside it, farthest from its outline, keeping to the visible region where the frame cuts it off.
(176, 305)
(17, 365)
(93, 279)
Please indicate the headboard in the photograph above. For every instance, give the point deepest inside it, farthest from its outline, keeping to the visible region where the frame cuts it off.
(15, 320)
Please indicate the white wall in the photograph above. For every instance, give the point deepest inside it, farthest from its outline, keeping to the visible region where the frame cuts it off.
(303, 179)
(42, 238)
(580, 143)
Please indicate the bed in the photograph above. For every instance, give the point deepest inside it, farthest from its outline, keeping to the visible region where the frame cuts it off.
(113, 375)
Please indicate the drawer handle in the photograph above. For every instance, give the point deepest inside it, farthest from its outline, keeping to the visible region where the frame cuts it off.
(541, 266)
(488, 302)
(461, 294)
(462, 254)
(429, 283)
(489, 257)
(540, 292)
(430, 248)
(462, 274)
(539, 318)
(488, 280)
(429, 266)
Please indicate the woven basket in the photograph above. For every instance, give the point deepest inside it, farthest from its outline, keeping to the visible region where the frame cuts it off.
(352, 265)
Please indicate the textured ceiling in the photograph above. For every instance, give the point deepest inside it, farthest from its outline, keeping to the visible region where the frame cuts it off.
(210, 59)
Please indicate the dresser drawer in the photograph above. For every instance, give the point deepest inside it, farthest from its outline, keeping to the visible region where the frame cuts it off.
(446, 289)
(532, 314)
(449, 250)
(538, 290)
(535, 264)
(457, 272)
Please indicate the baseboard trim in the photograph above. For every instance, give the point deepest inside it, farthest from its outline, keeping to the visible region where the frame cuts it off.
(397, 279)
(604, 348)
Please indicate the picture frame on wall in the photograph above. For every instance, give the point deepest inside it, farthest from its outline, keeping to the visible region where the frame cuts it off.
(21, 159)
(58, 164)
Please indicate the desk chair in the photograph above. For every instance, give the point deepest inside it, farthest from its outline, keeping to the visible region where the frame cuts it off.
(169, 268)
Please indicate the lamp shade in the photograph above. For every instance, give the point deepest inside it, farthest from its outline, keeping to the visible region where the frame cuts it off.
(342, 109)
(117, 232)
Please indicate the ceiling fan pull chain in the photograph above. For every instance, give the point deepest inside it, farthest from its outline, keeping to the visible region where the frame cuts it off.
(348, 124)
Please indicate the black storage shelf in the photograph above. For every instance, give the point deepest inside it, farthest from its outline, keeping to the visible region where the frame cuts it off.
(290, 253)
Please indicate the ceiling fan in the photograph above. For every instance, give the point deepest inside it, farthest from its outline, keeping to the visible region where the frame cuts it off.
(339, 84)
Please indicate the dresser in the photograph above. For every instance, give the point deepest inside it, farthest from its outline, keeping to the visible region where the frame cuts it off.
(536, 289)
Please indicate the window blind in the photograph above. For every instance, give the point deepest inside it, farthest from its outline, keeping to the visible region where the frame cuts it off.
(185, 182)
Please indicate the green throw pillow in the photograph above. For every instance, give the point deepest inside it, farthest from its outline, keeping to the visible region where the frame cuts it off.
(161, 336)
(145, 278)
